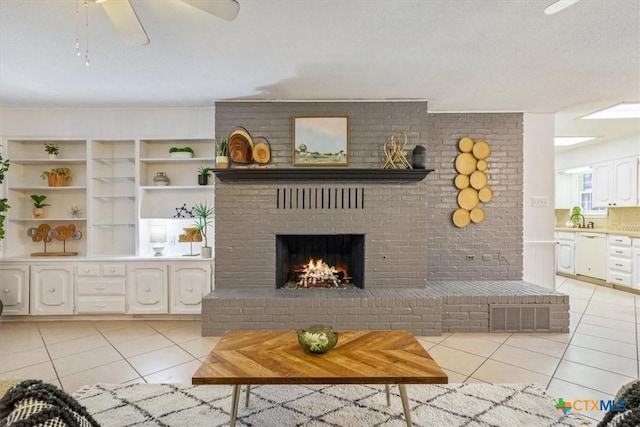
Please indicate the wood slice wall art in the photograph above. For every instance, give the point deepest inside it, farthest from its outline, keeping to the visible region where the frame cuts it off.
(245, 149)
(472, 181)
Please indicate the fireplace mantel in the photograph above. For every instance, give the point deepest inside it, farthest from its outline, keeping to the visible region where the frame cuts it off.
(321, 174)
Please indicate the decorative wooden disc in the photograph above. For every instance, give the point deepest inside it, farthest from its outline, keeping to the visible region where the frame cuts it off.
(465, 163)
(482, 165)
(477, 215)
(465, 145)
(478, 180)
(239, 149)
(261, 151)
(461, 182)
(461, 218)
(485, 195)
(468, 198)
(481, 150)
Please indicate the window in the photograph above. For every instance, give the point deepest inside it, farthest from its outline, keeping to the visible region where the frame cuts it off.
(586, 190)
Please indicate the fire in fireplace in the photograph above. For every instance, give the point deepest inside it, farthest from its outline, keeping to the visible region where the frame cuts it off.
(320, 260)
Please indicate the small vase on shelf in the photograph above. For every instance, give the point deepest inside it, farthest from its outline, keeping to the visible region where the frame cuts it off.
(161, 179)
(53, 156)
(222, 162)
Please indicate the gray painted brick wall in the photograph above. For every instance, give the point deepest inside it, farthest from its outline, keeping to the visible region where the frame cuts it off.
(410, 236)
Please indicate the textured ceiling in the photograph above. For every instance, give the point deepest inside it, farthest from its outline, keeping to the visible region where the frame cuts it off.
(461, 55)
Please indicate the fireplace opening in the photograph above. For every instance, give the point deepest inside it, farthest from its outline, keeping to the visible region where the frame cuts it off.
(319, 260)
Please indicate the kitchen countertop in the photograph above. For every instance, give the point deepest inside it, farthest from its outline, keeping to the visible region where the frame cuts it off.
(602, 230)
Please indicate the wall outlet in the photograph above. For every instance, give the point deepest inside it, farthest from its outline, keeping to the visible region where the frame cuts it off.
(539, 201)
(471, 257)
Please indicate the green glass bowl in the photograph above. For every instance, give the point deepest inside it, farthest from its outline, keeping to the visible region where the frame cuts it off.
(317, 339)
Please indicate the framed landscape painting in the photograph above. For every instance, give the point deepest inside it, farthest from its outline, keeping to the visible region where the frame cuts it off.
(321, 141)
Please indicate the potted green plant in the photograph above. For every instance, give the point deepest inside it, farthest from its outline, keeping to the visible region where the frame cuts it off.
(4, 206)
(57, 177)
(38, 206)
(222, 154)
(203, 175)
(181, 152)
(203, 213)
(51, 149)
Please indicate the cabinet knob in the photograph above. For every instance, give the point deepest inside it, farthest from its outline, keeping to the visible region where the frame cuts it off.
(190, 289)
(101, 288)
(86, 270)
(113, 270)
(103, 305)
(147, 289)
(52, 290)
(6, 291)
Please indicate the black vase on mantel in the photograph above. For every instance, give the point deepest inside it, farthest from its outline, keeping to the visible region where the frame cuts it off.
(419, 157)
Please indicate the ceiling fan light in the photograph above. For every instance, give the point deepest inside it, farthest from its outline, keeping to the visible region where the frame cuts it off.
(558, 6)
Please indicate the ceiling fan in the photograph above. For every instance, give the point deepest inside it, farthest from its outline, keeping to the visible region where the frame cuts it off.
(126, 22)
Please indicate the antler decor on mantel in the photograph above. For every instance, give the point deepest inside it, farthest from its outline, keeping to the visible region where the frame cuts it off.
(394, 152)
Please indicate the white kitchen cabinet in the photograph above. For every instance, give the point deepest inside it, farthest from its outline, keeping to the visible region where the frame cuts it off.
(51, 289)
(14, 289)
(591, 255)
(615, 183)
(188, 282)
(100, 288)
(565, 255)
(567, 194)
(147, 291)
(619, 271)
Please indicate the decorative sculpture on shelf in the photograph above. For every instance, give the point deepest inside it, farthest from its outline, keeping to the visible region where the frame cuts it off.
(45, 233)
(394, 152)
(183, 212)
(191, 234)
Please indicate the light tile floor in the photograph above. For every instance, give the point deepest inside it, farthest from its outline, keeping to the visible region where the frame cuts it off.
(591, 362)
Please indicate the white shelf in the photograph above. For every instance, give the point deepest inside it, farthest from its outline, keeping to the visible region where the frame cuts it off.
(109, 179)
(41, 188)
(114, 225)
(111, 161)
(47, 161)
(107, 198)
(175, 187)
(38, 220)
(168, 160)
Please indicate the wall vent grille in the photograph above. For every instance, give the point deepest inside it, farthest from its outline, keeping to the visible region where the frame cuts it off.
(519, 317)
(320, 198)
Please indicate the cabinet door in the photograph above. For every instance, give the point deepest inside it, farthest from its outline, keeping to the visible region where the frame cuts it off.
(189, 283)
(147, 289)
(14, 289)
(626, 182)
(51, 289)
(602, 185)
(566, 262)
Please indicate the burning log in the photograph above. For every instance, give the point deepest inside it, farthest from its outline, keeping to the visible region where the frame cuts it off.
(320, 274)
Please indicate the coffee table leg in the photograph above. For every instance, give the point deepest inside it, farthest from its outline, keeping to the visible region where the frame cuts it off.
(246, 396)
(386, 389)
(405, 404)
(234, 405)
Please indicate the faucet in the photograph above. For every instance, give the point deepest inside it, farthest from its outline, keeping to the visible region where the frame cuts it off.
(583, 225)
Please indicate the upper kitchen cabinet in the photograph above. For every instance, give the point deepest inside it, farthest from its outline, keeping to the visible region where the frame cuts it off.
(615, 183)
(567, 190)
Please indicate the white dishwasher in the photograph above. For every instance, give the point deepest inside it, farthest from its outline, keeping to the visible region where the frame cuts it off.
(591, 255)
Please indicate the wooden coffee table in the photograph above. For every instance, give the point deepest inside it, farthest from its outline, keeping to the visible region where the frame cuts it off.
(361, 357)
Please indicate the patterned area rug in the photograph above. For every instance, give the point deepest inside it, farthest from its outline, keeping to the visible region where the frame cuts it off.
(471, 405)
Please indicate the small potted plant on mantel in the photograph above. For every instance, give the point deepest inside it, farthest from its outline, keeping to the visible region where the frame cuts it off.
(222, 154)
(203, 175)
(203, 213)
(38, 206)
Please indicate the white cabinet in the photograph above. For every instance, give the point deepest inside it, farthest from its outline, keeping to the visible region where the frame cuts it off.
(567, 193)
(615, 183)
(147, 290)
(565, 255)
(14, 288)
(188, 282)
(620, 260)
(100, 288)
(51, 289)
(591, 255)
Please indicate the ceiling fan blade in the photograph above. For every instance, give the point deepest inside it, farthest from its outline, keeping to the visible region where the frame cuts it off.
(225, 9)
(559, 5)
(125, 20)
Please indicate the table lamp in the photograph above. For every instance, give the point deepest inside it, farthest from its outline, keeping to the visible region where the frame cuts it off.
(158, 235)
